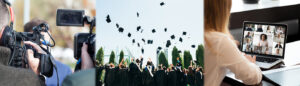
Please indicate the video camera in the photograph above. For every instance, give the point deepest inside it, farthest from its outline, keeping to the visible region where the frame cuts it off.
(15, 41)
(67, 17)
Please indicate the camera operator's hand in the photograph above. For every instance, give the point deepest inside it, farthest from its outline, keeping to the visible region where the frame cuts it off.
(85, 58)
(32, 61)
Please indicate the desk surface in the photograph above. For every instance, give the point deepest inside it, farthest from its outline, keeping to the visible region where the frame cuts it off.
(239, 5)
(288, 76)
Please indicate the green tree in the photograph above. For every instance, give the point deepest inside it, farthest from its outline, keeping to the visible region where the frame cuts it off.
(100, 56)
(200, 56)
(121, 56)
(127, 62)
(175, 55)
(112, 57)
(163, 60)
(187, 58)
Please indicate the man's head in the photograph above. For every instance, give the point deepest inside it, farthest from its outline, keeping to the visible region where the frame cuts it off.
(34, 22)
(4, 15)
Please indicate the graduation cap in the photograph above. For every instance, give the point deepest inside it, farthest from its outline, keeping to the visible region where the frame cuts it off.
(137, 14)
(138, 44)
(193, 46)
(138, 28)
(129, 35)
(121, 29)
(142, 50)
(150, 41)
(165, 29)
(159, 48)
(172, 36)
(153, 31)
(162, 3)
(180, 39)
(133, 40)
(117, 25)
(168, 43)
(143, 40)
(179, 51)
(108, 19)
(183, 33)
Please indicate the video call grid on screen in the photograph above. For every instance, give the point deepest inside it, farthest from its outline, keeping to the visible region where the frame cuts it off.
(265, 39)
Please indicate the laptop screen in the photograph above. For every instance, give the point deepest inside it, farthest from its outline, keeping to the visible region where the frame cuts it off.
(264, 39)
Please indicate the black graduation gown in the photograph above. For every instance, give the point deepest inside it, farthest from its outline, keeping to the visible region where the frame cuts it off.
(122, 77)
(135, 75)
(191, 79)
(160, 78)
(110, 77)
(148, 80)
(184, 80)
(172, 77)
(199, 79)
(179, 80)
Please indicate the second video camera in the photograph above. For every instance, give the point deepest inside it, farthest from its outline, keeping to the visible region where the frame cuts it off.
(67, 17)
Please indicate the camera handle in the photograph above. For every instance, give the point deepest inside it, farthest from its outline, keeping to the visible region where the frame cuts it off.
(91, 22)
(44, 28)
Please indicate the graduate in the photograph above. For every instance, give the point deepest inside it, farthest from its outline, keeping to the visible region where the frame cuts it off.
(109, 79)
(199, 77)
(160, 76)
(191, 75)
(135, 72)
(148, 75)
(179, 73)
(172, 76)
(122, 78)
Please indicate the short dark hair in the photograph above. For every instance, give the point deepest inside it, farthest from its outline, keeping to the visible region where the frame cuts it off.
(34, 22)
(3, 14)
(266, 37)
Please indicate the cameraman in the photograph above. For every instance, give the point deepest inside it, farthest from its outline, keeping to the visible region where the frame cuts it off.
(62, 69)
(11, 76)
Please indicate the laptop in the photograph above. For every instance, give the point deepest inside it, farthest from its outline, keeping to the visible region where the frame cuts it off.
(266, 41)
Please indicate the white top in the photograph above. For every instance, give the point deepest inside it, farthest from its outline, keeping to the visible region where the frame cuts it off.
(239, 5)
(223, 55)
(264, 46)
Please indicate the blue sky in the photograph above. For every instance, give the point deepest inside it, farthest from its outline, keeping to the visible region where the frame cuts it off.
(176, 15)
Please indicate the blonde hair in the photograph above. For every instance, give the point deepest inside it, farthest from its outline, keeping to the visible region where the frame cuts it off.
(216, 16)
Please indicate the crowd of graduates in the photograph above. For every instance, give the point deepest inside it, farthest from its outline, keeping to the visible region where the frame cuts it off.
(136, 75)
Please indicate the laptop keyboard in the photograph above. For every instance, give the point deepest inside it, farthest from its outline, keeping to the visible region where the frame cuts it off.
(264, 59)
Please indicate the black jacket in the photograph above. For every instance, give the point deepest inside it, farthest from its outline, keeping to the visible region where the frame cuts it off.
(11, 76)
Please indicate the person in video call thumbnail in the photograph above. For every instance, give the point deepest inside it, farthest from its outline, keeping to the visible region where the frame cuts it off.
(259, 28)
(247, 46)
(279, 30)
(249, 27)
(248, 35)
(278, 38)
(278, 45)
(263, 43)
(277, 51)
(269, 29)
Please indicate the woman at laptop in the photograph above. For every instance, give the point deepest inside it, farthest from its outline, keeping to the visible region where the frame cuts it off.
(221, 51)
